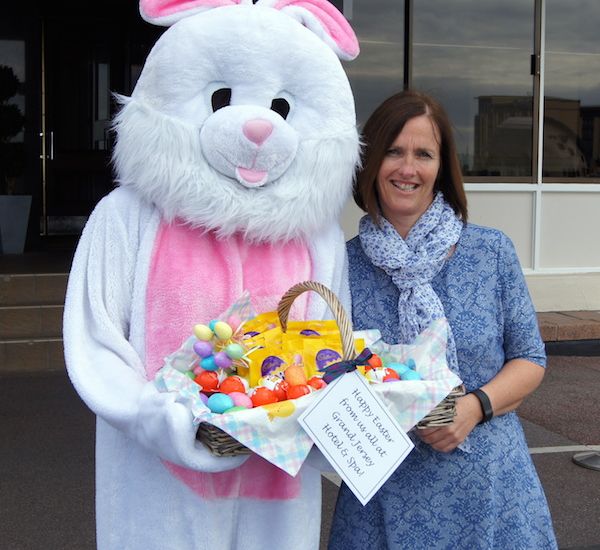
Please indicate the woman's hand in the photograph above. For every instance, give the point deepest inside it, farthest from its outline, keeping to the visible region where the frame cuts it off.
(447, 438)
(515, 381)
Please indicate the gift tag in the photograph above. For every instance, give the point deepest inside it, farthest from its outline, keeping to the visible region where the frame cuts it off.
(357, 434)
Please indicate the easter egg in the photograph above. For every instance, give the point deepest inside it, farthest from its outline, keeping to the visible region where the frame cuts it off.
(390, 375)
(294, 375)
(235, 351)
(203, 348)
(208, 380)
(222, 330)
(280, 390)
(203, 398)
(190, 374)
(197, 370)
(219, 403)
(241, 400)
(263, 396)
(232, 384)
(316, 382)
(374, 361)
(400, 368)
(293, 392)
(222, 360)
(202, 332)
(208, 363)
(410, 375)
(212, 324)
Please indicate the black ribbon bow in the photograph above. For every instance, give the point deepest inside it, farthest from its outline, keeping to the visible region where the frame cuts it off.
(331, 372)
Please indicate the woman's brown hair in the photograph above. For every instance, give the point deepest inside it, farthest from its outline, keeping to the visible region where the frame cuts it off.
(380, 131)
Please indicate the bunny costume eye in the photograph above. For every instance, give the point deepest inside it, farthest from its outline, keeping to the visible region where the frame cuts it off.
(281, 106)
(220, 98)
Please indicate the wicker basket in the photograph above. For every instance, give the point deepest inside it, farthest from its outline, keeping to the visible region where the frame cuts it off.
(221, 443)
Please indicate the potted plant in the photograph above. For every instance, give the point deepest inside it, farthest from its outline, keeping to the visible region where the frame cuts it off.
(14, 207)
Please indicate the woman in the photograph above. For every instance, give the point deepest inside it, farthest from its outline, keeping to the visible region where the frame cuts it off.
(471, 484)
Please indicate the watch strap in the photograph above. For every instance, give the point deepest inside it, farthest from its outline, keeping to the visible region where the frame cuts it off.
(486, 405)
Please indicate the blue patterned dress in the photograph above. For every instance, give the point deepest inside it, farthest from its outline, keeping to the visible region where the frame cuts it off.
(490, 497)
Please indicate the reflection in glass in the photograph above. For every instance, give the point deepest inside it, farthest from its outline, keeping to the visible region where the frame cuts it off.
(475, 58)
(572, 90)
(12, 116)
(377, 72)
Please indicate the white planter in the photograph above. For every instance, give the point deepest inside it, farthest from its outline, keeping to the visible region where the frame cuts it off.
(14, 218)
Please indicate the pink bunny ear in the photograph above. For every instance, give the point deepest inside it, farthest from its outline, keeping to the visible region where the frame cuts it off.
(167, 12)
(324, 20)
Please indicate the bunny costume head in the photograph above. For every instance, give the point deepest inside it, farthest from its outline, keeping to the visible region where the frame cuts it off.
(243, 119)
(235, 154)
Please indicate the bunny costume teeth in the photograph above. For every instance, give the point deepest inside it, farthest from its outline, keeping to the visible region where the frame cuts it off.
(235, 155)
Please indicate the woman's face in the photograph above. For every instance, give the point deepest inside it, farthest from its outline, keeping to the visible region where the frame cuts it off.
(408, 172)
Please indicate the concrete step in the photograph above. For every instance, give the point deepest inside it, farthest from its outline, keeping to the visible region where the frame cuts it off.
(31, 356)
(33, 289)
(31, 322)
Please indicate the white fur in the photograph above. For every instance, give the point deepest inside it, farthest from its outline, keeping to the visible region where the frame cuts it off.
(181, 156)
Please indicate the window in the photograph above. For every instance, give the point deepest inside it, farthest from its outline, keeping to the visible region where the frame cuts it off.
(475, 58)
(572, 91)
(378, 72)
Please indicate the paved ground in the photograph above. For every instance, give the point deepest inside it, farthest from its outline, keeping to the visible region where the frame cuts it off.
(46, 459)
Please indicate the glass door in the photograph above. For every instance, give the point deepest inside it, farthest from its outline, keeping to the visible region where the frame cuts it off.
(86, 60)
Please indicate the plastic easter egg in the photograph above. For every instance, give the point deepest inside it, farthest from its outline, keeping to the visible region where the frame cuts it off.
(241, 400)
(410, 375)
(235, 351)
(208, 380)
(222, 330)
(263, 396)
(232, 384)
(202, 332)
(203, 348)
(293, 392)
(400, 368)
(219, 403)
(222, 360)
(390, 375)
(212, 324)
(280, 390)
(375, 361)
(294, 375)
(208, 363)
(316, 382)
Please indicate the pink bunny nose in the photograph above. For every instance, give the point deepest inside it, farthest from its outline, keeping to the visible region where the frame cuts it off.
(257, 130)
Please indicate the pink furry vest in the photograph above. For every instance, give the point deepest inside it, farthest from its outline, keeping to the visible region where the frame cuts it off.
(193, 278)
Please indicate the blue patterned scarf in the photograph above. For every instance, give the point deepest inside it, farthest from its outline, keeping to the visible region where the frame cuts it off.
(413, 263)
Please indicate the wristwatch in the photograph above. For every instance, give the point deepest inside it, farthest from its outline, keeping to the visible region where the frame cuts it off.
(486, 405)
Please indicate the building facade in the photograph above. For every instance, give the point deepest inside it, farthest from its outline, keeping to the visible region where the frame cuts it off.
(520, 80)
(521, 83)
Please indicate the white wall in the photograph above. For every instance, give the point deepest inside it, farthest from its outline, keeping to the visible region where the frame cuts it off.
(557, 240)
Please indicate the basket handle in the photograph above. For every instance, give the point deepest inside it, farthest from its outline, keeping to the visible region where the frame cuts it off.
(285, 304)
